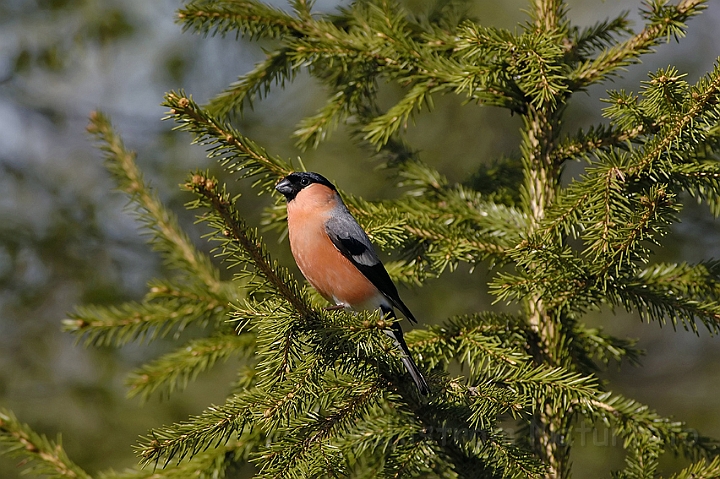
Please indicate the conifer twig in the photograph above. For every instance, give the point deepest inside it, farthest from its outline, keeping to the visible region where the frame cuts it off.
(628, 52)
(236, 153)
(236, 230)
(43, 455)
(148, 320)
(274, 69)
(702, 469)
(167, 235)
(250, 17)
(174, 370)
(325, 395)
(587, 143)
(628, 417)
(704, 98)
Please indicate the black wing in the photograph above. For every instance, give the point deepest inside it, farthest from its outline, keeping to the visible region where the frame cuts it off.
(352, 241)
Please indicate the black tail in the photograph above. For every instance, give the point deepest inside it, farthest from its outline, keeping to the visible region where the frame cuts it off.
(416, 375)
(397, 334)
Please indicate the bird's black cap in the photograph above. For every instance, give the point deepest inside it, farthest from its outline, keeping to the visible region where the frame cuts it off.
(293, 183)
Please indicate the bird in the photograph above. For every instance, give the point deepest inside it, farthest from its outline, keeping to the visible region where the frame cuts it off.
(337, 258)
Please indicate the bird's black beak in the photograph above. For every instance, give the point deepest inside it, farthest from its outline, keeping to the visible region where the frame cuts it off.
(286, 188)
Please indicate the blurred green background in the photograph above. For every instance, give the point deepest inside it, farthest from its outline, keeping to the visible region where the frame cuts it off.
(67, 239)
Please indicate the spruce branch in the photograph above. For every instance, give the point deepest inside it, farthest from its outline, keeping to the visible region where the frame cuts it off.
(702, 469)
(688, 122)
(379, 130)
(504, 382)
(441, 251)
(235, 152)
(682, 293)
(417, 174)
(274, 410)
(172, 291)
(274, 70)
(327, 394)
(558, 275)
(166, 236)
(599, 36)
(255, 19)
(461, 437)
(406, 443)
(593, 344)
(548, 15)
(701, 180)
(168, 306)
(481, 341)
(642, 458)
(310, 448)
(505, 456)
(624, 227)
(146, 321)
(241, 244)
(173, 371)
(462, 423)
(457, 224)
(477, 351)
(683, 131)
(280, 342)
(554, 388)
(215, 462)
(330, 343)
(662, 22)
(401, 441)
(701, 280)
(215, 426)
(536, 66)
(314, 129)
(392, 55)
(630, 418)
(661, 304)
(43, 456)
(600, 138)
(295, 396)
(338, 345)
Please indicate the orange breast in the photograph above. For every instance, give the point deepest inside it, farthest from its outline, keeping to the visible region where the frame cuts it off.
(327, 270)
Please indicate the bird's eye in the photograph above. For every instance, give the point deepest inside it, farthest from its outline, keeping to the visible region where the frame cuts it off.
(304, 181)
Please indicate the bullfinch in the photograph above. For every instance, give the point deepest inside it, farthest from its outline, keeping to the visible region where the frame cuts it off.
(337, 258)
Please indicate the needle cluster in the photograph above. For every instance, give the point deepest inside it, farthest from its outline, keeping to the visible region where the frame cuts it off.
(322, 393)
